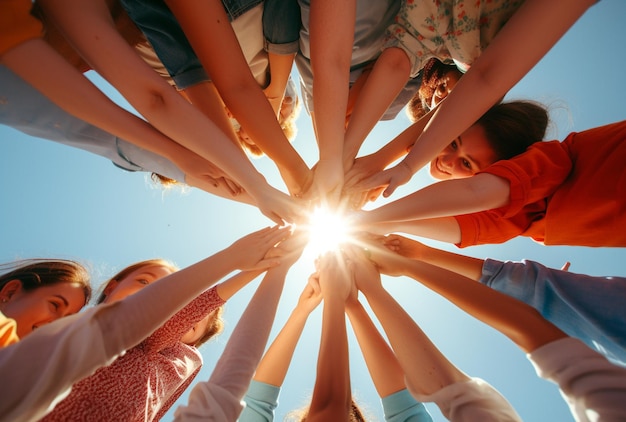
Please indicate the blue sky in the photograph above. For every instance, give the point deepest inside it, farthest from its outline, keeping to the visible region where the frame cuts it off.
(63, 202)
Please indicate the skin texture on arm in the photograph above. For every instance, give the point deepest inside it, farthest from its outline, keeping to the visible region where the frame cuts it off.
(280, 69)
(218, 50)
(386, 372)
(515, 319)
(332, 35)
(426, 369)
(507, 59)
(332, 394)
(90, 29)
(234, 370)
(275, 363)
(387, 78)
(466, 266)
(443, 199)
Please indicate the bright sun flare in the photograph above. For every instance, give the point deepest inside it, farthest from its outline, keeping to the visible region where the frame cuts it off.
(327, 230)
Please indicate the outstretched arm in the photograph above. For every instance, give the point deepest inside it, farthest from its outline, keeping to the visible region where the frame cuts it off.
(89, 27)
(518, 321)
(218, 50)
(386, 372)
(332, 395)
(444, 199)
(503, 63)
(332, 35)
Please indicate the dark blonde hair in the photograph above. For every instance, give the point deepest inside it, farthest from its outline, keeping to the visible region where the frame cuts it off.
(432, 72)
(35, 273)
(131, 268)
(355, 415)
(213, 328)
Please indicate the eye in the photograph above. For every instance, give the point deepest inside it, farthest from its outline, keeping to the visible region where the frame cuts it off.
(54, 305)
(453, 145)
(466, 164)
(143, 281)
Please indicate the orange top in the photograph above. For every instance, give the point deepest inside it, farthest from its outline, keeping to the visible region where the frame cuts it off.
(562, 193)
(8, 331)
(16, 24)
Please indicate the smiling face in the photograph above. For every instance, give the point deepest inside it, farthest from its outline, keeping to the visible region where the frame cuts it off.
(135, 281)
(464, 157)
(33, 308)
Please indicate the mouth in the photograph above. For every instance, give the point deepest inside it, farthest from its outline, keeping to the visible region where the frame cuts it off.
(440, 168)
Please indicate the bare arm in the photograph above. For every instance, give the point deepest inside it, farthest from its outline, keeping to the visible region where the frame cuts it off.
(448, 198)
(332, 35)
(506, 60)
(516, 320)
(461, 264)
(216, 45)
(89, 27)
(427, 370)
(332, 395)
(388, 77)
(386, 372)
(275, 363)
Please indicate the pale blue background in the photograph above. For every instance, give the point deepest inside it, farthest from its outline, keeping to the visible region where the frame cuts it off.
(63, 202)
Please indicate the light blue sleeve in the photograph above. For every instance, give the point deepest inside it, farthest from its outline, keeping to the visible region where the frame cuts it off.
(402, 407)
(589, 308)
(261, 401)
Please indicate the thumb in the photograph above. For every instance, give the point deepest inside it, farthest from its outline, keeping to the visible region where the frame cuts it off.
(393, 185)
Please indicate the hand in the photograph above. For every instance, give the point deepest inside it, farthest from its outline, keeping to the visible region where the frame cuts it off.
(388, 262)
(250, 251)
(310, 296)
(391, 178)
(366, 274)
(404, 246)
(335, 279)
(328, 181)
(361, 169)
(230, 185)
(290, 249)
(277, 206)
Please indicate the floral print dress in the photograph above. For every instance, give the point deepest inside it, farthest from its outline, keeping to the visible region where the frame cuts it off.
(450, 30)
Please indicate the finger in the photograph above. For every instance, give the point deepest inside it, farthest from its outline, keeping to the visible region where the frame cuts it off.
(566, 266)
(390, 189)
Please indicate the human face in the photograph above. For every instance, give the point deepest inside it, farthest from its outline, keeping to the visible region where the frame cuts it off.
(134, 282)
(464, 157)
(444, 86)
(40, 306)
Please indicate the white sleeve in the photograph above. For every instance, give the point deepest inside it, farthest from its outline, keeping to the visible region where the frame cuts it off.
(471, 401)
(593, 387)
(39, 370)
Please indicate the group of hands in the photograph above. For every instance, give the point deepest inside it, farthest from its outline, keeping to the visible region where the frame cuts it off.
(340, 273)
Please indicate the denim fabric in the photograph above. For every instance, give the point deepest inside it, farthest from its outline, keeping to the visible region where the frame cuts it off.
(167, 38)
(27, 110)
(586, 307)
(281, 26)
(236, 8)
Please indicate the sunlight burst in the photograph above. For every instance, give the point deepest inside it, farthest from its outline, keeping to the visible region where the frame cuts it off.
(327, 230)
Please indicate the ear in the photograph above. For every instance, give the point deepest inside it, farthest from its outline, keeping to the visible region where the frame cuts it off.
(9, 289)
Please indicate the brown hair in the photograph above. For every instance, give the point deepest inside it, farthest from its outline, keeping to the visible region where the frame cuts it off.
(35, 273)
(131, 268)
(432, 72)
(513, 126)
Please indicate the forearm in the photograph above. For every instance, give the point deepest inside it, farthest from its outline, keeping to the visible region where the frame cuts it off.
(426, 369)
(444, 229)
(448, 198)
(382, 364)
(332, 35)
(388, 77)
(503, 63)
(466, 266)
(332, 394)
(516, 320)
(275, 363)
(228, 288)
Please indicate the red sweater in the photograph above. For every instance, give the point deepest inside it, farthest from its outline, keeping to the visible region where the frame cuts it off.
(562, 193)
